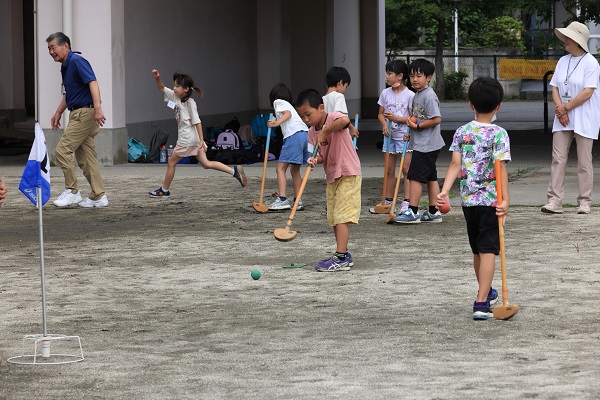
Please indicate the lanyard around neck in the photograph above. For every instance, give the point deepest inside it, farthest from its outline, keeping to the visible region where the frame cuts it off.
(569, 66)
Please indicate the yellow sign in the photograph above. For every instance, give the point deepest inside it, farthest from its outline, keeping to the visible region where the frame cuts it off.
(516, 68)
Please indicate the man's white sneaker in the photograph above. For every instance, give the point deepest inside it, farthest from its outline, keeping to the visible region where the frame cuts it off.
(67, 198)
(89, 203)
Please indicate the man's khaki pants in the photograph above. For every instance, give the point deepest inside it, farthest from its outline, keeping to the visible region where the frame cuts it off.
(78, 139)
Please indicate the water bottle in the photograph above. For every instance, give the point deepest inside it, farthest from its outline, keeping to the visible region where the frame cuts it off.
(163, 155)
(170, 151)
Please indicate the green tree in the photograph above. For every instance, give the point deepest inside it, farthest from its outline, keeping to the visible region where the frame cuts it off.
(589, 10)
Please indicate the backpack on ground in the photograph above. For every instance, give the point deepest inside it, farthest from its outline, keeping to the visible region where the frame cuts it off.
(228, 140)
(246, 135)
(136, 151)
(259, 125)
(158, 140)
(233, 125)
(212, 133)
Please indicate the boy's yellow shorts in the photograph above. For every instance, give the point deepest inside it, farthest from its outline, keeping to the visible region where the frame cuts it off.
(343, 200)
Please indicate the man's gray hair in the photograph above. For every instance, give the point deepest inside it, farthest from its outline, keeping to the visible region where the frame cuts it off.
(60, 37)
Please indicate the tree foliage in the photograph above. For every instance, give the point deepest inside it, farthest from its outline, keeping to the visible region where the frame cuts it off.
(481, 23)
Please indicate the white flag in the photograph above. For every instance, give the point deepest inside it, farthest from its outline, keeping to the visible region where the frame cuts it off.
(37, 169)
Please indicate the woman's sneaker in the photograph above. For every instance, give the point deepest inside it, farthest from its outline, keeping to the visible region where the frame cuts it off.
(160, 193)
(482, 311)
(300, 206)
(239, 174)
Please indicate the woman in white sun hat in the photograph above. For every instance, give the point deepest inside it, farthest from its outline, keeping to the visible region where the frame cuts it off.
(576, 99)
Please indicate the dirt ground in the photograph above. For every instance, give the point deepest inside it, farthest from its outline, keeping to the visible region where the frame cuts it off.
(161, 295)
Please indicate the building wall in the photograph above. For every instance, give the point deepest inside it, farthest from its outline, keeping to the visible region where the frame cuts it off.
(212, 41)
(12, 97)
(235, 49)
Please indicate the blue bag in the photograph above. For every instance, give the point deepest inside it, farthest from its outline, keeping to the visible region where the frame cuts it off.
(259, 125)
(136, 151)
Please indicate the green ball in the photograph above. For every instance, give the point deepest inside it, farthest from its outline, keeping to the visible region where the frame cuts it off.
(255, 274)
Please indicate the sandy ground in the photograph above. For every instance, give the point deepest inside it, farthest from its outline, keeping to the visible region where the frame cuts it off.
(161, 295)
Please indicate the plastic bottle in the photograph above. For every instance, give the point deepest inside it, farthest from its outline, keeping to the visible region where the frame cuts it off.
(170, 151)
(163, 155)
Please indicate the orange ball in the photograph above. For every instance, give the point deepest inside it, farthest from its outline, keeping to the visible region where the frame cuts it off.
(444, 208)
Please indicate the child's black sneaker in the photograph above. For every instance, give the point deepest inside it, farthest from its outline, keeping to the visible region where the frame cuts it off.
(160, 193)
(492, 296)
(482, 310)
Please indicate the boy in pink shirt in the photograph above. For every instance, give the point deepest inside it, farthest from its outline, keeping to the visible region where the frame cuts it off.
(342, 172)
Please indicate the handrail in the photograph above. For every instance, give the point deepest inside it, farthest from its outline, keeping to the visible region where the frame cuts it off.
(546, 75)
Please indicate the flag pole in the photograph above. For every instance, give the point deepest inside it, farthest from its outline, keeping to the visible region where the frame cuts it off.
(48, 356)
(36, 61)
(41, 226)
(45, 344)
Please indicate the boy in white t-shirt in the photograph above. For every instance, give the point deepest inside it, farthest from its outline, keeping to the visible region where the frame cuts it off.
(338, 79)
(294, 151)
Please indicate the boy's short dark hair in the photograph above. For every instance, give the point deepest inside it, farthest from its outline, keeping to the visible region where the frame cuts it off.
(421, 65)
(336, 74)
(485, 94)
(280, 92)
(310, 96)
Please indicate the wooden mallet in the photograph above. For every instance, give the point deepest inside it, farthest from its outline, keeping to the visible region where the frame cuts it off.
(391, 217)
(383, 208)
(505, 311)
(286, 234)
(259, 206)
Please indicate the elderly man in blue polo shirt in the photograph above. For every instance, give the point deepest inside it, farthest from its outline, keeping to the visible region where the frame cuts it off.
(82, 98)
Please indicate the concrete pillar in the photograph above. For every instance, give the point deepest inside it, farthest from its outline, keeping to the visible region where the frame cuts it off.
(273, 50)
(343, 46)
(12, 83)
(372, 44)
(98, 33)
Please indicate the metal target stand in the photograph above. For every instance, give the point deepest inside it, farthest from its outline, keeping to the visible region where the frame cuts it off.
(42, 350)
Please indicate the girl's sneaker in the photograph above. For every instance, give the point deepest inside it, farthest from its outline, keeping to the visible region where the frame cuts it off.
(160, 193)
(482, 311)
(239, 174)
(404, 206)
(279, 205)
